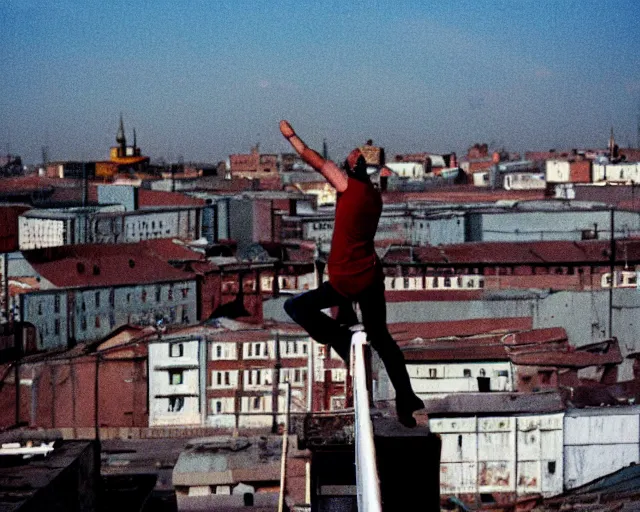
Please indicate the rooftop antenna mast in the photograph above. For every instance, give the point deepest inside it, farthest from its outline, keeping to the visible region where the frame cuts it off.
(638, 127)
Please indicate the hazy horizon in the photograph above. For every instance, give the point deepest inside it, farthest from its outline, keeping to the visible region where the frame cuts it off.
(200, 80)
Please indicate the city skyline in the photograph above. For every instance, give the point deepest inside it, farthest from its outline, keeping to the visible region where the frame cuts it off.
(201, 81)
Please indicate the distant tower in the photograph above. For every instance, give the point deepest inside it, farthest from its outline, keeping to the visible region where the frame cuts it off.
(325, 150)
(121, 140)
(135, 143)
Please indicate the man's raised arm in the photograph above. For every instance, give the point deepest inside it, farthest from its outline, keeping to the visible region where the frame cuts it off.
(328, 169)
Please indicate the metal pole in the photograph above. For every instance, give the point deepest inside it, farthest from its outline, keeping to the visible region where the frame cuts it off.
(285, 446)
(367, 481)
(307, 488)
(612, 264)
(310, 376)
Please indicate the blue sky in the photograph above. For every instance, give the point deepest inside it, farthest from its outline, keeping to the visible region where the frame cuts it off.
(203, 79)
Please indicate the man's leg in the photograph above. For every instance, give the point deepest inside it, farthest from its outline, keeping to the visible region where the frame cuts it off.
(306, 311)
(374, 318)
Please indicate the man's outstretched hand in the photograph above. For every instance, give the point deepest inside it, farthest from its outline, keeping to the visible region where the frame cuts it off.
(286, 129)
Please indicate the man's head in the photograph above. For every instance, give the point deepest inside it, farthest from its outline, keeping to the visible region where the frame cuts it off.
(356, 165)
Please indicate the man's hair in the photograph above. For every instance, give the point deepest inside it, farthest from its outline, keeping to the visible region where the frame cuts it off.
(353, 159)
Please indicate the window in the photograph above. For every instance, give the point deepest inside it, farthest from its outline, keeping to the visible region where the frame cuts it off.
(97, 322)
(257, 402)
(39, 308)
(56, 326)
(224, 379)
(176, 349)
(170, 293)
(176, 403)
(83, 323)
(223, 351)
(112, 298)
(545, 377)
(158, 293)
(255, 350)
(143, 295)
(433, 373)
(56, 304)
(97, 296)
(466, 372)
(176, 377)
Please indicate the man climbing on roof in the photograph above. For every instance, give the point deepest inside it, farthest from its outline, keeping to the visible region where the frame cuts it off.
(355, 273)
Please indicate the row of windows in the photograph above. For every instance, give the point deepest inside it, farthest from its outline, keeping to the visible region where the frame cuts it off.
(257, 377)
(258, 350)
(97, 298)
(433, 373)
(430, 283)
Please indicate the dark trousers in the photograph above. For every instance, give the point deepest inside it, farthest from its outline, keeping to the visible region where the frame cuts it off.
(306, 310)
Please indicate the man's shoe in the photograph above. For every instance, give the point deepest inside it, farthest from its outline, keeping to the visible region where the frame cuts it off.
(406, 408)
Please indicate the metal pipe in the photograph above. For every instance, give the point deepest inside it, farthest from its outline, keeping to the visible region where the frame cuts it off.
(285, 446)
(367, 481)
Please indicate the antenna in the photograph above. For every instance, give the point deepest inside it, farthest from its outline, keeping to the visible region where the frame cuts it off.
(638, 128)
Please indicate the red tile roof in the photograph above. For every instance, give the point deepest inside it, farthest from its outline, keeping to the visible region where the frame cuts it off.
(407, 331)
(501, 253)
(153, 198)
(104, 265)
(473, 341)
(462, 194)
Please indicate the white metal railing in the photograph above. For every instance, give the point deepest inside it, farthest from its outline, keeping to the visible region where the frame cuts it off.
(367, 481)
